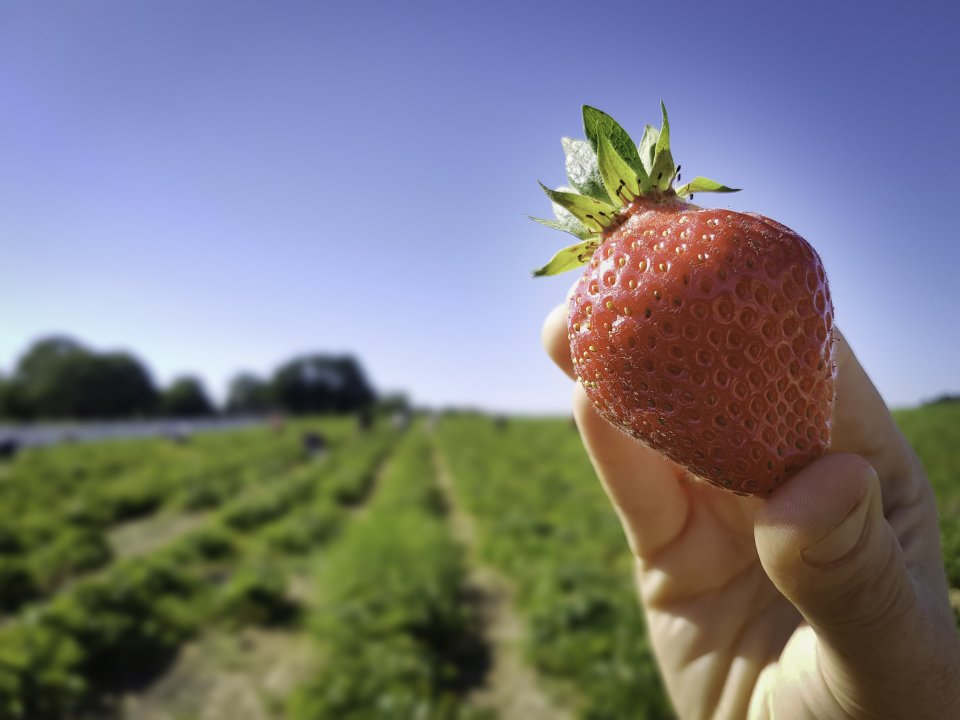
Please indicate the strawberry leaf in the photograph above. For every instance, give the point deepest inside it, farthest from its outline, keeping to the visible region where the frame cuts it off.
(569, 258)
(618, 177)
(582, 170)
(663, 169)
(597, 123)
(572, 226)
(569, 221)
(648, 147)
(702, 184)
(588, 210)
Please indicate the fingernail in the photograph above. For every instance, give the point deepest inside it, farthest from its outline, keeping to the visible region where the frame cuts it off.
(840, 541)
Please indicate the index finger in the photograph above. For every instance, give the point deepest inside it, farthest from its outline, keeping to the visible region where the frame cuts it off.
(643, 486)
(555, 342)
(863, 425)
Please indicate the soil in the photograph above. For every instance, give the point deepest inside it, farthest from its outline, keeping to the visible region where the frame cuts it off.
(246, 676)
(511, 689)
(144, 535)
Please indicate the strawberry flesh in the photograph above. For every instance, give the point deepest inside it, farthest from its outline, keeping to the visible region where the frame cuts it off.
(708, 335)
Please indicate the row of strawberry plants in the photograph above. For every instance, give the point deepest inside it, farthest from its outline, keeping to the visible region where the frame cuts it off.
(46, 540)
(79, 484)
(398, 640)
(136, 612)
(49, 501)
(60, 655)
(934, 432)
(544, 522)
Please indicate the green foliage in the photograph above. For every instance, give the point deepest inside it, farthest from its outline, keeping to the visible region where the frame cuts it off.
(137, 611)
(558, 540)
(9, 402)
(211, 543)
(269, 501)
(350, 481)
(950, 542)
(322, 384)
(934, 432)
(400, 577)
(59, 378)
(249, 394)
(38, 678)
(68, 553)
(185, 398)
(133, 614)
(390, 679)
(255, 596)
(56, 503)
(17, 583)
(397, 635)
(252, 510)
(305, 531)
(133, 496)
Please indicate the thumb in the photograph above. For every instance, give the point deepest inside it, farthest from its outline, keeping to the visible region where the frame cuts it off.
(823, 540)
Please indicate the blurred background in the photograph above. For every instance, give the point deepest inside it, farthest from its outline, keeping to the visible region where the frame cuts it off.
(303, 224)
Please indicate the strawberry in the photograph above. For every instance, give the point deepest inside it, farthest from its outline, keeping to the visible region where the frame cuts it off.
(706, 334)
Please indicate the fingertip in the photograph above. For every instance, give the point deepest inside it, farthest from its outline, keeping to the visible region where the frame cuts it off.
(820, 495)
(554, 338)
(818, 502)
(824, 542)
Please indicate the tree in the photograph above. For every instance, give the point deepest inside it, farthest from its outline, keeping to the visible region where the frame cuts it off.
(114, 385)
(184, 398)
(322, 384)
(248, 394)
(6, 399)
(46, 354)
(60, 378)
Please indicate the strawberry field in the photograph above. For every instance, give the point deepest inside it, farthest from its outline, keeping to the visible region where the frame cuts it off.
(466, 568)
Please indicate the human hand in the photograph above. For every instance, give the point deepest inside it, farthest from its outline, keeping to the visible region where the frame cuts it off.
(827, 600)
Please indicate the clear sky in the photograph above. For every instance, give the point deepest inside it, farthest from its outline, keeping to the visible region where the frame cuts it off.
(217, 186)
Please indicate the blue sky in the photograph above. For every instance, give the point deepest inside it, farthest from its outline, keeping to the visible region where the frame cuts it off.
(217, 186)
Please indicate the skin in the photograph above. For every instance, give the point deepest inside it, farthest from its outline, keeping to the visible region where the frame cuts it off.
(827, 600)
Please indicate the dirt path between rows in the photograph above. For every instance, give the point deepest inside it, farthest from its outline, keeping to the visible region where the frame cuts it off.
(220, 676)
(144, 535)
(511, 690)
(247, 675)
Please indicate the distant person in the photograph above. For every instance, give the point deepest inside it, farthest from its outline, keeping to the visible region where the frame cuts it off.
(365, 420)
(827, 600)
(8, 448)
(314, 444)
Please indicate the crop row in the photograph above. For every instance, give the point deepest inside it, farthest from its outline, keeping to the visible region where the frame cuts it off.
(398, 640)
(545, 523)
(136, 613)
(57, 503)
(934, 432)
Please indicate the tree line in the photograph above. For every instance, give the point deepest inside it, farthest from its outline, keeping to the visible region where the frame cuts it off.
(60, 378)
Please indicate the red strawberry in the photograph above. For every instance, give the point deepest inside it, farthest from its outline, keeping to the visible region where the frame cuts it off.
(706, 334)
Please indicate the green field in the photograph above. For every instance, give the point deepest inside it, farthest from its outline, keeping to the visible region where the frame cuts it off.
(466, 569)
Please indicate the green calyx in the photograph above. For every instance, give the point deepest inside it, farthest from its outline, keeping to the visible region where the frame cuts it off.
(608, 173)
